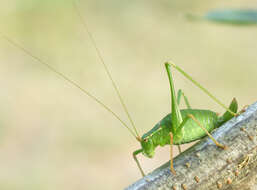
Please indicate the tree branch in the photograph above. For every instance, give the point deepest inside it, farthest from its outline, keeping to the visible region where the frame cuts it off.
(205, 166)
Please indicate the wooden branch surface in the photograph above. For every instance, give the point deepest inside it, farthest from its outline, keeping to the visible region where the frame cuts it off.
(211, 167)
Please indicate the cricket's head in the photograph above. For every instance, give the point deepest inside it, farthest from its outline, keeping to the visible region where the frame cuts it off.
(147, 147)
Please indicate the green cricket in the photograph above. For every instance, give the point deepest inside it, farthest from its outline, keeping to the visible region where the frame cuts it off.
(181, 126)
(185, 125)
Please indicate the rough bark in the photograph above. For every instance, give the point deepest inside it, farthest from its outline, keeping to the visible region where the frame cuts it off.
(206, 167)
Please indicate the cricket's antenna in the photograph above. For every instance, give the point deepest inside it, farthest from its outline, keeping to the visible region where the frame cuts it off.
(69, 80)
(106, 68)
(201, 87)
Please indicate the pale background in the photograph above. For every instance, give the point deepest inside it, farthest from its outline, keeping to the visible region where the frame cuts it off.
(54, 137)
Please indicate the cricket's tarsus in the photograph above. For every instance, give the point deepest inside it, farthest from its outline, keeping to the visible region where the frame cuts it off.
(179, 127)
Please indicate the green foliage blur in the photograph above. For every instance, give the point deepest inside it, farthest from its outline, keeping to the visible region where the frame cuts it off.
(233, 16)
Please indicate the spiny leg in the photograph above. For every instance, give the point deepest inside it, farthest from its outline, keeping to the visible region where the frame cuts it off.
(138, 164)
(205, 130)
(171, 155)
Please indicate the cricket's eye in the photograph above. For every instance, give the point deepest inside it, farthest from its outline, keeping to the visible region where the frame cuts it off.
(145, 140)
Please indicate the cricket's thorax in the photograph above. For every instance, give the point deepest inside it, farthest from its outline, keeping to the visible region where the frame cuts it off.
(159, 134)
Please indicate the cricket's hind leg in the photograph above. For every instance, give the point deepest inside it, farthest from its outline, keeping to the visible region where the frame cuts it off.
(206, 131)
(201, 87)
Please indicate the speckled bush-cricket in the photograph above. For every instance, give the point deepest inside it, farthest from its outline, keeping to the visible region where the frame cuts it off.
(178, 127)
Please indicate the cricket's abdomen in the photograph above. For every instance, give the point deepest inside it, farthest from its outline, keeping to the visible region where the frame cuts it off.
(191, 130)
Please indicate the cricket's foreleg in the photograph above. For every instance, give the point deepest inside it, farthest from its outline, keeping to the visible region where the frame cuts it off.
(171, 154)
(205, 130)
(138, 164)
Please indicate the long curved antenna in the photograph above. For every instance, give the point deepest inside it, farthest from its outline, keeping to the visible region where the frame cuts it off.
(105, 67)
(67, 79)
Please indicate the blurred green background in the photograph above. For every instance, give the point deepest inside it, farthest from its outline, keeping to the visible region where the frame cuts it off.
(54, 137)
